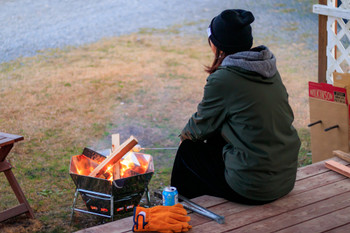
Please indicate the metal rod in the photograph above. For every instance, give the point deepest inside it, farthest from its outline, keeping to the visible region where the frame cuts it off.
(192, 203)
(73, 207)
(148, 196)
(217, 218)
(160, 148)
(138, 148)
(98, 197)
(201, 210)
(88, 212)
(332, 127)
(94, 193)
(314, 123)
(112, 207)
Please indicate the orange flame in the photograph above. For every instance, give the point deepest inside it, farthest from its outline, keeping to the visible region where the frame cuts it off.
(144, 163)
(110, 173)
(131, 164)
(126, 164)
(83, 165)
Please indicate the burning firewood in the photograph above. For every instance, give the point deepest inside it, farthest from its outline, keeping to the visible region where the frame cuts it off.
(116, 155)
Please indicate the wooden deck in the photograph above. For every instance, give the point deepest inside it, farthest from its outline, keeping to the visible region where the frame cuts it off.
(319, 202)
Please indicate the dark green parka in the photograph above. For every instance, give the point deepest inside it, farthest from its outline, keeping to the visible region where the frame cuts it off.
(246, 101)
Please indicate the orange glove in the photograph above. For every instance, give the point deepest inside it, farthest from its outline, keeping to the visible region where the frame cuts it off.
(165, 219)
(185, 226)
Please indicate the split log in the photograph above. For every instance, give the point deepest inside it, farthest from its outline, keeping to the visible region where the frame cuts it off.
(338, 167)
(114, 157)
(343, 155)
(115, 146)
(115, 141)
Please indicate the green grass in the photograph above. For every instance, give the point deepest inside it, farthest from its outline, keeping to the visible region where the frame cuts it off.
(280, 4)
(291, 27)
(172, 30)
(305, 149)
(288, 10)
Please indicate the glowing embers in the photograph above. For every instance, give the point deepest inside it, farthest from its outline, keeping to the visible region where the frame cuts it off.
(134, 164)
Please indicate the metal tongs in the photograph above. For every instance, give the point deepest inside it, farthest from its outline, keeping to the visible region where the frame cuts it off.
(201, 210)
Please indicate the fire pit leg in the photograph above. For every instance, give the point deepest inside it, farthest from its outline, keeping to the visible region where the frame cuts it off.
(74, 203)
(148, 196)
(101, 196)
(112, 207)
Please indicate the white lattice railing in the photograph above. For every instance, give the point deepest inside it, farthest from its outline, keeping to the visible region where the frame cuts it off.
(338, 36)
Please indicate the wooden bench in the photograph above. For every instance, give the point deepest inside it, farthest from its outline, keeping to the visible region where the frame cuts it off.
(6, 144)
(320, 201)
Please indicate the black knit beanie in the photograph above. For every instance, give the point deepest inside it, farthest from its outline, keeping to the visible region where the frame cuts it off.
(231, 32)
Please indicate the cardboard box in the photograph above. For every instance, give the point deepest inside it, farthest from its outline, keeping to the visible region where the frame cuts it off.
(328, 106)
(342, 80)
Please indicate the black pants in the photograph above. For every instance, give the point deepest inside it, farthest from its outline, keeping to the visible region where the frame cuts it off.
(199, 169)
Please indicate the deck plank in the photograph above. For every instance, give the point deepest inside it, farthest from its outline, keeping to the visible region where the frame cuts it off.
(299, 215)
(229, 208)
(323, 223)
(323, 177)
(303, 185)
(208, 201)
(283, 205)
(340, 229)
(313, 182)
(316, 169)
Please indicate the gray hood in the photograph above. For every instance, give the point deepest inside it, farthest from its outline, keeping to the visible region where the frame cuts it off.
(258, 59)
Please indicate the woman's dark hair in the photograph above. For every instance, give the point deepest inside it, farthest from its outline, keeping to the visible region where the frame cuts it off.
(219, 57)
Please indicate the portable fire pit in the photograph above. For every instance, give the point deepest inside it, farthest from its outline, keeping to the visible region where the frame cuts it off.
(118, 189)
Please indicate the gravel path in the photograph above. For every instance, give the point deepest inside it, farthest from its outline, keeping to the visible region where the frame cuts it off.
(28, 26)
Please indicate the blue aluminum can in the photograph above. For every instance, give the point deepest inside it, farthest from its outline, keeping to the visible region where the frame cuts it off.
(170, 196)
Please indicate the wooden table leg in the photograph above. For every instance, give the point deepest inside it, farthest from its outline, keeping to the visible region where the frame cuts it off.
(4, 151)
(6, 144)
(24, 206)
